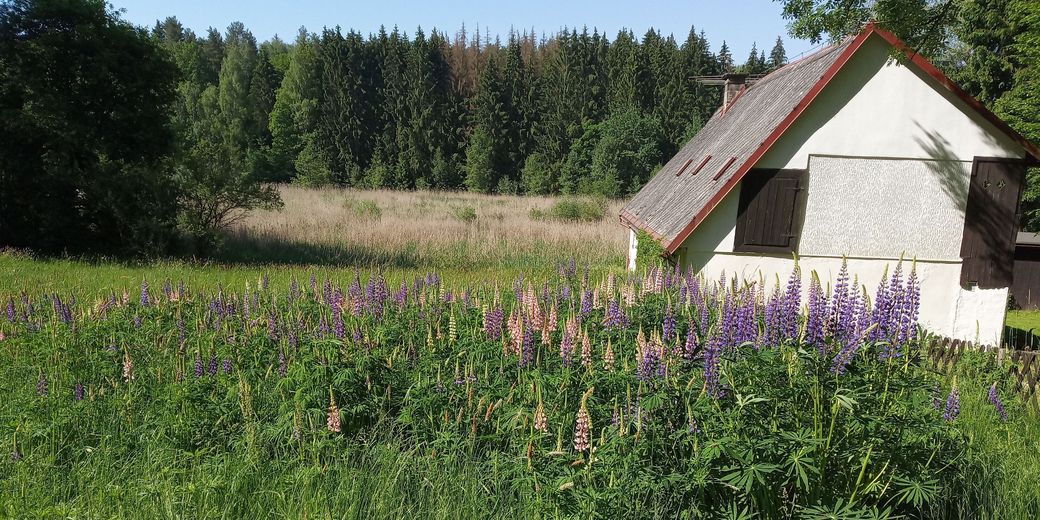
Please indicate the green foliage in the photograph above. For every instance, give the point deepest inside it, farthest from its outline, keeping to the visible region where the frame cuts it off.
(539, 176)
(85, 135)
(436, 418)
(922, 24)
(574, 209)
(464, 213)
(649, 251)
(364, 209)
(614, 158)
(480, 163)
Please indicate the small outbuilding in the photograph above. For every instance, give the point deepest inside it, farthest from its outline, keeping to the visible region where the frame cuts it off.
(862, 150)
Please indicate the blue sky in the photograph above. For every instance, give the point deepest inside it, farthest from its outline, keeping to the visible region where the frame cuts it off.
(739, 22)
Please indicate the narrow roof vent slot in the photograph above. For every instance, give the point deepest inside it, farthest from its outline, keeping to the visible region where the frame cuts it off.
(701, 165)
(724, 168)
(683, 167)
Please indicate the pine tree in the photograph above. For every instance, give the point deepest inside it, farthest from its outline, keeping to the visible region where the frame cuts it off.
(752, 65)
(490, 121)
(520, 109)
(725, 58)
(778, 56)
(292, 119)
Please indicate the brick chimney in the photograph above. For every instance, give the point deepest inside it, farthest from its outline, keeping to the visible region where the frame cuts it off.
(733, 83)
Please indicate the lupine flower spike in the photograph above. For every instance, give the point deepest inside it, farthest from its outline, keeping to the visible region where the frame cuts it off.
(583, 426)
(332, 420)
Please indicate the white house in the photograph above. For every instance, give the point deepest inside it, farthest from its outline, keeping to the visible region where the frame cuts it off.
(851, 153)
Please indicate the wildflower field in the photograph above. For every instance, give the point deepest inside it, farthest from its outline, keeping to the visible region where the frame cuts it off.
(658, 395)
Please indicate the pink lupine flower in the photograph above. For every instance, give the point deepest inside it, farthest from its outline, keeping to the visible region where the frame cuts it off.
(583, 429)
(586, 351)
(333, 416)
(540, 422)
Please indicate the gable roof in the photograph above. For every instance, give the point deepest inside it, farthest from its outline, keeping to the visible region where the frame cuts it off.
(706, 169)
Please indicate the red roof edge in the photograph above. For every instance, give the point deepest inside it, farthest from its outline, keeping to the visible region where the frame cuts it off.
(870, 29)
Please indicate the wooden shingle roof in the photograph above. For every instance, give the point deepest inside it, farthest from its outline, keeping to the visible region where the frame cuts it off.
(694, 181)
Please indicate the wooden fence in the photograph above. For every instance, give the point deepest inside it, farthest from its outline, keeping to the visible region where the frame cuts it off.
(1023, 364)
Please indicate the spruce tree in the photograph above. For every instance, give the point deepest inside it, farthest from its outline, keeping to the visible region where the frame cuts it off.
(778, 56)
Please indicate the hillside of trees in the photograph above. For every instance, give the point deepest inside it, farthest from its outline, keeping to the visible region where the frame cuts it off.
(574, 112)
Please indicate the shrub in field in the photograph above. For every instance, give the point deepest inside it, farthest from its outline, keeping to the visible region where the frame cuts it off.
(573, 210)
(364, 209)
(657, 396)
(464, 213)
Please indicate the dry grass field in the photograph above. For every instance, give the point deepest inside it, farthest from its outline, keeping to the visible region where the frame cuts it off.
(424, 229)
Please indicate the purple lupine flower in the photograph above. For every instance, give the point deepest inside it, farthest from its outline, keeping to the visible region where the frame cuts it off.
(292, 339)
(650, 365)
(705, 320)
(668, 326)
(213, 365)
(567, 348)
(911, 307)
(792, 303)
(840, 324)
(41, 385)
(846, 354)
(137, 321)
(167, 288)
(145, 298)
(356, 335)
(586, 303)
(181, 334)
(712, 366)
(200, 369)
(994, 399)
(817, 315)
(772, 317)
(264, 282)
(272, 325)
(402, 296)
(527, 345)
(226, 365)
(327, 291)
(615, 317)
(493, 323)
(880, 313)
(314, 285)
(77, 393)
(283, 365)
(294, 289)
(953, 405)
(690, 346)
(12, 313)
(337, 323)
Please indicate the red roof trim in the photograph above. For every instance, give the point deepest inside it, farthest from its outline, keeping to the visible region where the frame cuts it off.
(918, 60)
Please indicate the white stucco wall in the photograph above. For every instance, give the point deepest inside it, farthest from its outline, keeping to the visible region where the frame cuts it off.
(885, 207)
(633, 244)
(889, 155)
(877, 107)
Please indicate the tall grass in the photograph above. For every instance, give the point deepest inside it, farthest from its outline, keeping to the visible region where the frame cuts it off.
(425, 229)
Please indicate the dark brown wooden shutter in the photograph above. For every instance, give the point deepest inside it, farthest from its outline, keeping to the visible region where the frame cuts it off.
(991, 222)
(766, 217)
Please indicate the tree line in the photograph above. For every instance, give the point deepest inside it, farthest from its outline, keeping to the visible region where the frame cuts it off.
(575, 112)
